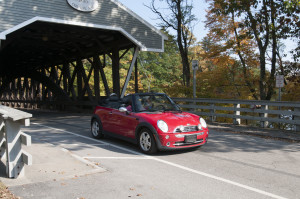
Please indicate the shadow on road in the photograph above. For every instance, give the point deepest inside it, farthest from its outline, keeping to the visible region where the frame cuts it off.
(66, 125)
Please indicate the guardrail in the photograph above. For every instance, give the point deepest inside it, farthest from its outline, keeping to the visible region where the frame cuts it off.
(11, 140)
(52, 105)
(265, 112)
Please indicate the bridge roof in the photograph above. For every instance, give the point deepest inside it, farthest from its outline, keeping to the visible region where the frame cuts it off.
(43, 32)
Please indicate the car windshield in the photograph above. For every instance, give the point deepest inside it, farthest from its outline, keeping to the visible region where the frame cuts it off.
(154, 102)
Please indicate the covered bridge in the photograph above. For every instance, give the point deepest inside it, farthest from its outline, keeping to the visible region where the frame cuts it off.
(43, 45)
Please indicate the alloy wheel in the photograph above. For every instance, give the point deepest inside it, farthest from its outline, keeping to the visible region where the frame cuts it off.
(95, 128)
(145, 141)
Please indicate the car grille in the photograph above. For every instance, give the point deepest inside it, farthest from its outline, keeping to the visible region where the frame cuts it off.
(182, 143)
(186, 129)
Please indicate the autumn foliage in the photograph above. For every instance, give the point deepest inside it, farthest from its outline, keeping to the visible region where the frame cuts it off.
(239, 58)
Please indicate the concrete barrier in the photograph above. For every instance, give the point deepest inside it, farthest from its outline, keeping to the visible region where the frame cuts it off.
(11, 140)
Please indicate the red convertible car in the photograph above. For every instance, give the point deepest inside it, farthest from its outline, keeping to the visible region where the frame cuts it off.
(151, 120)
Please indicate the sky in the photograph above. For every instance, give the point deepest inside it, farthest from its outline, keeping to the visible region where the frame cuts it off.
(138, 7)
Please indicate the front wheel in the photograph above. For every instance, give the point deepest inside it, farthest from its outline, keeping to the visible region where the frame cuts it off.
(147, 142)
(96, 129)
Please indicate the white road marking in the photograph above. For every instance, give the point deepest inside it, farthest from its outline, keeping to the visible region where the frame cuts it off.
(82, 159)
(174, 165)
(50, 136)
(63, 144)
(119, 158)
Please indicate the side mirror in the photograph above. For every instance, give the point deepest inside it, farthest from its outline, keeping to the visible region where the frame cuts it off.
(123, 109)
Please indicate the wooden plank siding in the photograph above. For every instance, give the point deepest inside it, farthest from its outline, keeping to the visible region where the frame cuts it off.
(110, 13)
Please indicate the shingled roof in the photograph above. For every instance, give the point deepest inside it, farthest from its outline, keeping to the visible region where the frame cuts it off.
(109, 15)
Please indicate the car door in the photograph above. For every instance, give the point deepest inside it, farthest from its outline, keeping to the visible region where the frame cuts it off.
(122, 123)
(106, 119)
(127, 124)
(113, 121)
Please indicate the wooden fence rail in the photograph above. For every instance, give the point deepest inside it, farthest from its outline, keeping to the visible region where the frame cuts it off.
(265, 112)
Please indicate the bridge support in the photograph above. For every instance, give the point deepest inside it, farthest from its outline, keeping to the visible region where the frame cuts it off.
(58, 85)
(116, 71)
(134, 59)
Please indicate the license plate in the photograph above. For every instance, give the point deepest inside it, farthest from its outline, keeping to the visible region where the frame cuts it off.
(190, 138)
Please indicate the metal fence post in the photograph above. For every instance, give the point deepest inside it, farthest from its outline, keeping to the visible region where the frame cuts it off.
(237, 121)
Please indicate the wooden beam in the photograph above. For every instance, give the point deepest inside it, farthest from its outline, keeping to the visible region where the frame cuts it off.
(96, 79)
(136, 80)
(85, 79)
(43, 87)
(70, 80)
(65, 76)
(124, 53)
(134, 58)
(116, 71)
(79, 81)
(98, 64)
(71, 83)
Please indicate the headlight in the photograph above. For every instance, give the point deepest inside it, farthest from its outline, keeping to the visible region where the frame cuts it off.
(203, 123)
(162, 125)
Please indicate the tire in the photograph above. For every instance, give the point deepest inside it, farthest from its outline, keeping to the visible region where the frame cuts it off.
(96, 128)
(147, 142)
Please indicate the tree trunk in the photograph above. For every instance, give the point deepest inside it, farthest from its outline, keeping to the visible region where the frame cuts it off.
(274, 53)
(183, 51)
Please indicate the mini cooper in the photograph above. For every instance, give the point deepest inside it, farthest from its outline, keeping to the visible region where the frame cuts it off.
(150, 120)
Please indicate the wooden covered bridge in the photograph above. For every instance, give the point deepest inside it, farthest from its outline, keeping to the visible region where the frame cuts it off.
(43, 45)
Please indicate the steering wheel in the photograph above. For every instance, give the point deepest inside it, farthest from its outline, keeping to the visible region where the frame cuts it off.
(160, 107)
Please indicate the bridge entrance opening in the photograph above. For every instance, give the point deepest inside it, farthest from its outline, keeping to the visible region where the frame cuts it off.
(61, 57)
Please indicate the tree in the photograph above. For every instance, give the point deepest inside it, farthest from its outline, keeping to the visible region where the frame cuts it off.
(217, 64)
(291, 90)
(224, 39)
(159, 71)
(156, 71)
(181, 20)
(265, 22)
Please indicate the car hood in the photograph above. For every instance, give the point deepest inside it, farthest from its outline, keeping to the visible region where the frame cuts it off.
(173, 119)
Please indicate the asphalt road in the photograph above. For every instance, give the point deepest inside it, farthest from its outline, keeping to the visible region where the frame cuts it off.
(68, 163)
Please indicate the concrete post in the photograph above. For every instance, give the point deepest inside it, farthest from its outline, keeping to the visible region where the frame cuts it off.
(15, 156)
(2, 138)
(12, 138)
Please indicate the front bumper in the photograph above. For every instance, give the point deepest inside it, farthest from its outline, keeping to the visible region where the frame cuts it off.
(169, 141)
